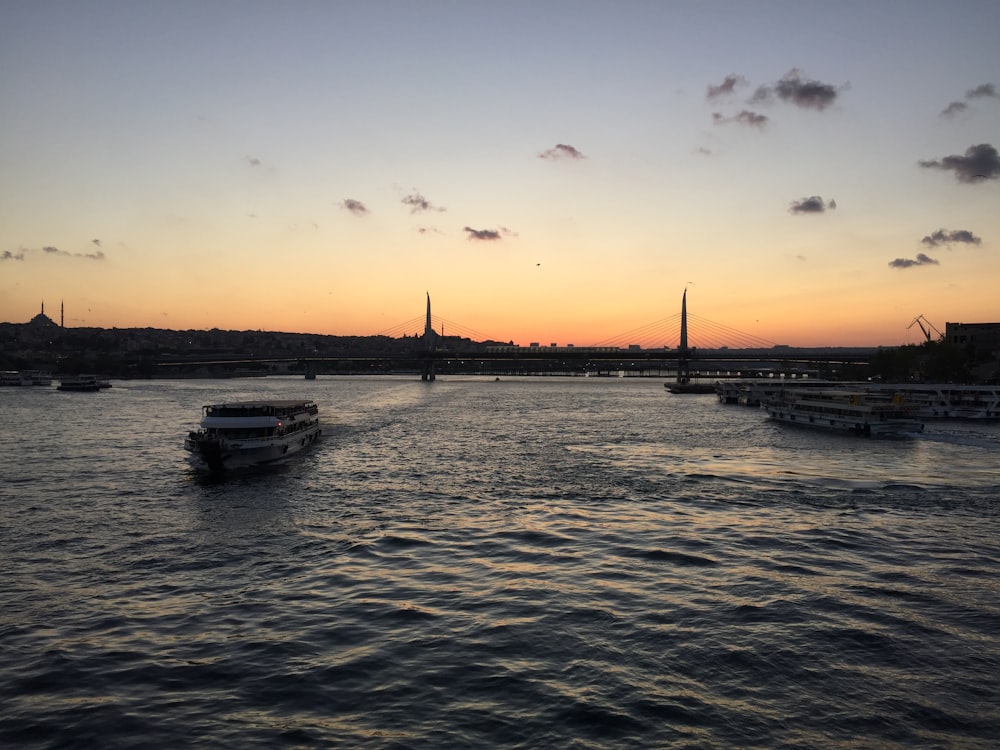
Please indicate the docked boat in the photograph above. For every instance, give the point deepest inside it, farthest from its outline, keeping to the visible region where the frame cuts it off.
(690, 387)
(26, 378)
(252, 433)
(847, 411)
(81, 383)
(950, 401)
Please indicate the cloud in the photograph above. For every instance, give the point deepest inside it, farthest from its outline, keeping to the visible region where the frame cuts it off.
(253, 161)
(811, 205)
(354, 206)
(948, 238)
(489, 235)
(482, 234)
(561, 151)
(95, 242)
(726, 87)
(802, 92)
(982, 90)
(953, 109)
(50, 250)
(418, 203)
(979, 162)
(746, 117)
(920, 260)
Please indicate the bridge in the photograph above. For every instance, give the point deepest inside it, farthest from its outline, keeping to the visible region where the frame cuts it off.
(695, 348)
(729, 353)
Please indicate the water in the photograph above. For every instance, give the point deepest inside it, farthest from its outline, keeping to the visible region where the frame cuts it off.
(547, 562)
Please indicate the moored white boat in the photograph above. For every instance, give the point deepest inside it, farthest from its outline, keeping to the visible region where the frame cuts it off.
(846, 411)
(26, 378)
(949, 401)
(252, 433)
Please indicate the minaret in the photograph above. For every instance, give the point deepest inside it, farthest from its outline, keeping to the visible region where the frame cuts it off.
(62, 314)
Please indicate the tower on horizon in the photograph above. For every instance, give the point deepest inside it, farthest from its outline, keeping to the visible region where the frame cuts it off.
(430, 338)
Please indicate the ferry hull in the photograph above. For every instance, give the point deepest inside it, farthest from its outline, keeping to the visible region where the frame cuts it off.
(859, 425)
(251, 433)
(218, 454)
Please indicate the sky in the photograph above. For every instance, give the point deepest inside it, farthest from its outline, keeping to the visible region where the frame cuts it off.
(812, 173)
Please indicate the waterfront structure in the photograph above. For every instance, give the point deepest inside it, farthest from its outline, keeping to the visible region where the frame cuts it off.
(984, 337)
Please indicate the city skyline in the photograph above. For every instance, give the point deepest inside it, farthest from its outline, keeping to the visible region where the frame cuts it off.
(554, 172)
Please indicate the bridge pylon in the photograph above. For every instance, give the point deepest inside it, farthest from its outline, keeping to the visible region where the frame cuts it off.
(683, 360)
(430, 344)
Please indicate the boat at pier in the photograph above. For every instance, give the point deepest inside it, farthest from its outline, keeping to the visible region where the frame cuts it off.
(26, 378)
(948, 400)
(251, 433)
(925, 401)
(690, 387)
(846, 411)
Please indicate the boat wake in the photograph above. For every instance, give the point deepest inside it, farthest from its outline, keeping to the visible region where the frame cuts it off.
(972, 441)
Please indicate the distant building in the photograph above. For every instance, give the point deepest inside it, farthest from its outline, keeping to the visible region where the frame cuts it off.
(983, 337)
(42, 321)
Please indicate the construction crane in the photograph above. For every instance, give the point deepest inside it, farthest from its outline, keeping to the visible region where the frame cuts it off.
(920, 320)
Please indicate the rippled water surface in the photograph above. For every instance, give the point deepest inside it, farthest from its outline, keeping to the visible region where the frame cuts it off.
(546, 562)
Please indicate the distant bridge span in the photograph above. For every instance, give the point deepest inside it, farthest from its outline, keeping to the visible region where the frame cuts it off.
(431, 352)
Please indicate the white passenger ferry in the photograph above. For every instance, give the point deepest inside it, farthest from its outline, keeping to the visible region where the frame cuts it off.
(950, 401)
(251, 433)
(26, 377)
(847, 411)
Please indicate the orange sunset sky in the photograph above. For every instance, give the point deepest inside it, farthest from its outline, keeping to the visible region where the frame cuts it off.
(813, 173)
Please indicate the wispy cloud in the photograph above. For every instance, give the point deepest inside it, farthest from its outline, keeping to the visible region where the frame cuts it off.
(562, 151)
(253, 161)
(418, 203)
(955, 108)
(793, 88)
(979, 163)
(920, 260)
(983, 90)
(814, 204)
(746, 117)
(728, 86)
(23, 252)
(489, 235)
(946, 238)
(482, 234)
(354, 206)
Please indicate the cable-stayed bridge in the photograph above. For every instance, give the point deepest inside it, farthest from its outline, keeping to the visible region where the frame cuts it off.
(660, 334)
(692, 344)
(683, 346)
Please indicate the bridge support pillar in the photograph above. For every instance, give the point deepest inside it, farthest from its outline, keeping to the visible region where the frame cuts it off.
(427, 370)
